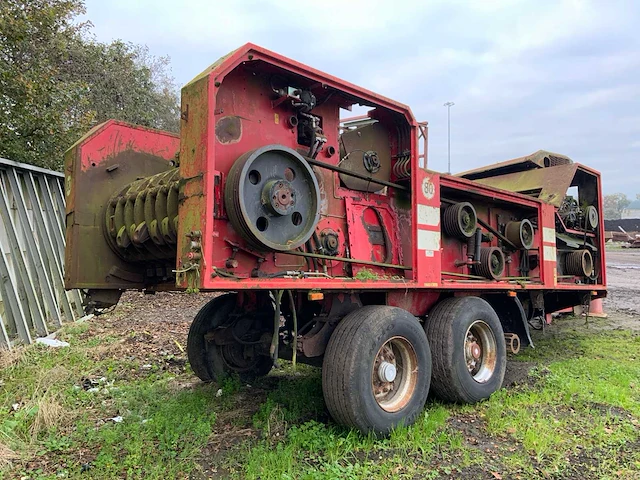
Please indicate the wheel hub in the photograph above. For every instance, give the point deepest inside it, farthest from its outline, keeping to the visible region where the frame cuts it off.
(395, 374)
(480, 351)
(387, 372)
(279, 196)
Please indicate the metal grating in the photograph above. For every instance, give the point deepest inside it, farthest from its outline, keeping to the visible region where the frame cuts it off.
(33, 301)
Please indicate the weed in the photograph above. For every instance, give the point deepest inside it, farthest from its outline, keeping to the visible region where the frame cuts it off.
(6, 455)
(10, 357)
(366, 274)
(49, 414)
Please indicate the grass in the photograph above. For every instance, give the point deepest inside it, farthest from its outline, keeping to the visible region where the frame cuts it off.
(162, 427)
(78, 413)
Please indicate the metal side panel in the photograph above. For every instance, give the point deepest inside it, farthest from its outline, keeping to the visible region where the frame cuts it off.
(12, 303)
(56, 232)
(4, 338)
(54, 261)
(56, 185)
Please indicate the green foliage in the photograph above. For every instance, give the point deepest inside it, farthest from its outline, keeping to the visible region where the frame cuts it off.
(56, 82)
(366, 274)
(581, 414)
(614, 204)
(162, 430)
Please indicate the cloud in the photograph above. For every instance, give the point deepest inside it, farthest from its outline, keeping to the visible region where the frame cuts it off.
(524, 74)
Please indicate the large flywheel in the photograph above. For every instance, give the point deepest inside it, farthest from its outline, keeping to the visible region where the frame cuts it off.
(272, 198)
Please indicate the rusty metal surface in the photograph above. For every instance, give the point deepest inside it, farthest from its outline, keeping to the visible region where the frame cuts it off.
(392, 395)
(234, 108)
(229, 129)
(101, 164)
(354, 145)
(141, 221)
(539, 159)
(480, 351)
(548, 184)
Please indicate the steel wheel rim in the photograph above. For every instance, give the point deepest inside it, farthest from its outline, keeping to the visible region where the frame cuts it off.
(393, 396)
(480, 351)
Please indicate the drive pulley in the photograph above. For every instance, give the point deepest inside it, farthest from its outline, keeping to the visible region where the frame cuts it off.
(272, 198)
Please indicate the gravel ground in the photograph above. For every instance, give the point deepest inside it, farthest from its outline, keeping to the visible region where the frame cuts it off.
(623, 279)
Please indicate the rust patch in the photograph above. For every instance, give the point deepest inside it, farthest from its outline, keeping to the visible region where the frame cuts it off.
(229, 129)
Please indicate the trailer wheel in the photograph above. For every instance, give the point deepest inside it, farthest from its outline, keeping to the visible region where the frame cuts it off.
(377, 369)
(468, 349)
(211, 362)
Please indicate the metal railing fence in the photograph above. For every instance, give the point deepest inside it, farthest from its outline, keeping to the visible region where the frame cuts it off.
(33, 301)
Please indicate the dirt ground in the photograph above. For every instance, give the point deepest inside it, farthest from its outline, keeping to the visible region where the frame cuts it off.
(166, 317)
(623, 279)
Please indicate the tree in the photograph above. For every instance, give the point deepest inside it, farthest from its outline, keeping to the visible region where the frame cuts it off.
(614, 205)
(56, 82)
(124, 81)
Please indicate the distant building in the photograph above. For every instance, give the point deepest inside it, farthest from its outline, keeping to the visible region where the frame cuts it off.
(632, 211)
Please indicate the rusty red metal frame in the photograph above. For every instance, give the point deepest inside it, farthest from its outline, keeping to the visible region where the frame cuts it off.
(226, 112)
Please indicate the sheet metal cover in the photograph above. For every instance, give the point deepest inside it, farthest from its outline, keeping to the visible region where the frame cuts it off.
(548, 184)
(353, 145)
(539, 159)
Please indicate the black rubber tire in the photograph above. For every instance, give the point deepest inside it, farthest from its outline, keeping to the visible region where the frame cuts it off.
(206, 360)
(446, 329)
(348, 363)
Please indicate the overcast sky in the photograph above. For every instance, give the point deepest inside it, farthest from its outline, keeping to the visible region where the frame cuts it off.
(524, 74)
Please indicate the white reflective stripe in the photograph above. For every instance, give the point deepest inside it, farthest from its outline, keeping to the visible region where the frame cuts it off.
(428, 240)
(549, 253)
(548, 235)
(428, 215)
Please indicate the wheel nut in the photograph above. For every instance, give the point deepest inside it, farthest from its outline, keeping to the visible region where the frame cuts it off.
(387, 372)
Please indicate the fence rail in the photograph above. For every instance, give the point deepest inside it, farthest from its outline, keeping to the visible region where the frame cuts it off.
(33, 301)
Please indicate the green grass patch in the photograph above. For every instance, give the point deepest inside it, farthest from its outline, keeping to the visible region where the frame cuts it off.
(576, 416)
(128, 421)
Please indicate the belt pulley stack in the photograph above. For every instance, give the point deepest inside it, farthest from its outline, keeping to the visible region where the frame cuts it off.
(460, 221)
